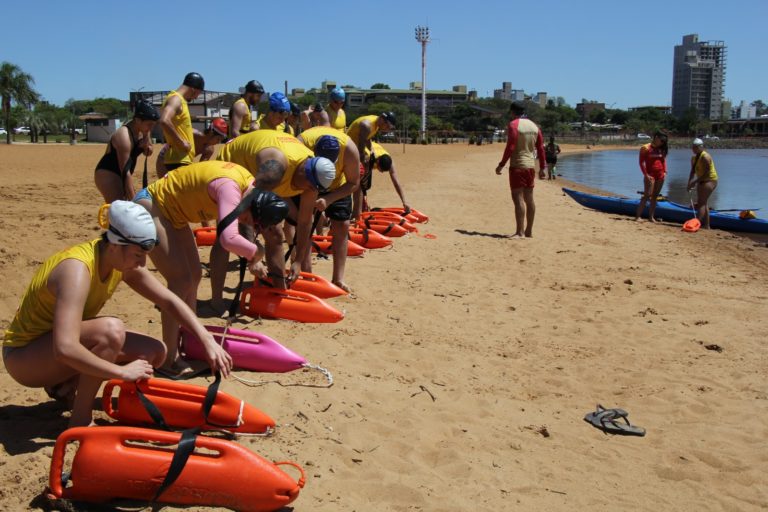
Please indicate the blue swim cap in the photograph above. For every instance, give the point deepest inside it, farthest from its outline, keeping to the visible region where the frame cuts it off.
(328, 147)
(338, 94)
(279, 103)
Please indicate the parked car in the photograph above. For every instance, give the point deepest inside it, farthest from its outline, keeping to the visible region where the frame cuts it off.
(3, 131)
(711, 137)
(643, 136)
(22, 129)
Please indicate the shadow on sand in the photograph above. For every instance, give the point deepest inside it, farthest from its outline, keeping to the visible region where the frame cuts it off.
(479, 233)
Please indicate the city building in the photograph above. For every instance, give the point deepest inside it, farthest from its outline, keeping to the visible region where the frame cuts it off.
(698, 77)
(508, 93)
(744, 111)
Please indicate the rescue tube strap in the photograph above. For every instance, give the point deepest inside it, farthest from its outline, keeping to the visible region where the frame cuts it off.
(180, 456)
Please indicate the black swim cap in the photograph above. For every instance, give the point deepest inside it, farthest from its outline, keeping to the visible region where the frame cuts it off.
(254, 86)
(295, 109)
(389, 117)
(194, 80)
(268, 208)
(145, 110)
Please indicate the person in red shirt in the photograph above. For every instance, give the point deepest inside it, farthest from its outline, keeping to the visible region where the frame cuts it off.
(524, 144)
(653, 164)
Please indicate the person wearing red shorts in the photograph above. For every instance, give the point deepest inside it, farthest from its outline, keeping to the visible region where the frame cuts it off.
(524, 144)
(653, 164)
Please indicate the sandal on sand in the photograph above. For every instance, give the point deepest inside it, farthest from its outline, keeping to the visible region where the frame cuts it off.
(180, 370)
(607, 420)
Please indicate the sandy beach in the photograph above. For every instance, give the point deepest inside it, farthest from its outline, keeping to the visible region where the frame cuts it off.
(466, 363)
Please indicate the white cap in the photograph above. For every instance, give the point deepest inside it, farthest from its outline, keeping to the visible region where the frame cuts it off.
(322, 170)
(697, 142)
(130, 224)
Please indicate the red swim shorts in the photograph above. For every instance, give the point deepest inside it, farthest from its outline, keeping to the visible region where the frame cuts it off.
(657, 174)
(522, 178)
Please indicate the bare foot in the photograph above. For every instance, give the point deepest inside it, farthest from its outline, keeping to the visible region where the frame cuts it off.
(652, 220)
(517, 235)
(343, 286)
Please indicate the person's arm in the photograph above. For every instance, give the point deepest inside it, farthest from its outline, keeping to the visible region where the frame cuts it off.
(306, 122)
(643, 153)
(236, 114)
(351, 172)
(541, 155)
(510, 147)
(145, 284)
(160, 168)
(70, 283)
(398, 187)
(227, 195)
(172, 108)
(363, 141)
(303, 232)
(558, 148)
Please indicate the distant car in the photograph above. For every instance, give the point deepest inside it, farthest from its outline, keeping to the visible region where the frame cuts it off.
(711, 137)
(643, 136)
(79, 131)
(3, 131)
(22, 129)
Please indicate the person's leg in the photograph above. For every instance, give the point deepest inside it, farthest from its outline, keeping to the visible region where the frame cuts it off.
(646, 193)
(703, 192)
(519, 202)
(110, 185)
(340, 233)
(36, 365)
(530, 211)
(655, 191)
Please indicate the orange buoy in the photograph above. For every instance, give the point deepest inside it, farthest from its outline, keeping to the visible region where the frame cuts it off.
(287, 304)
(416, 215)
(391, 217)
(182, 407)
(368, 238)
(322, 244)
(205, 236)
(692, 225)
(316, 285)
(383, 227)
(131, 463)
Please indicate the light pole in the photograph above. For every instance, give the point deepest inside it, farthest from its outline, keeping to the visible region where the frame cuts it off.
(422, 36)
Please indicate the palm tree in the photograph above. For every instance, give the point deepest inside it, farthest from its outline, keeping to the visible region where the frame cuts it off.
(15, 86)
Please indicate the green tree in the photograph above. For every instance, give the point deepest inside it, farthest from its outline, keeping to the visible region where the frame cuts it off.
(15, 87)
(761, 107)
(598, 115)
(379, 85)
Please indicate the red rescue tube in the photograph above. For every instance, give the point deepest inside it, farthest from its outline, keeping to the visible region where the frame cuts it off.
(368, 238)
(322, 243)
(287, 304)
(205, 236)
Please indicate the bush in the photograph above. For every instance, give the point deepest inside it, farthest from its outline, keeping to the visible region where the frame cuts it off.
(414, 140)
(471, 140)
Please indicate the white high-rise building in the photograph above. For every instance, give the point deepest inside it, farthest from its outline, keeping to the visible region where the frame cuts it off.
(698, 77)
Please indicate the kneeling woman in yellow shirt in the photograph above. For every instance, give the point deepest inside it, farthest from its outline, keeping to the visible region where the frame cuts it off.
(57, 341)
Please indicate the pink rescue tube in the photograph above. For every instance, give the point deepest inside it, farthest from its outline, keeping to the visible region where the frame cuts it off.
(249, 350)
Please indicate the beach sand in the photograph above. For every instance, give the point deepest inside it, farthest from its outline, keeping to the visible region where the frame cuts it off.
(466, 363)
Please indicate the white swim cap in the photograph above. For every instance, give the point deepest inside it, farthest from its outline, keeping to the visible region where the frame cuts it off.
(320, 172)
(131, 224)
(697, 142)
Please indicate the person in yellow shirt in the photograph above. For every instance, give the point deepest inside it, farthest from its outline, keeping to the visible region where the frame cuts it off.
(202, 191)
(176, 121)
(274, 118)
(382, 161)
(361, 131)
(205, 144)
(242, 115)
(704, 178)
(336, 115)
(315, 115)
(57, 340)
(283, 165)
(336, 203)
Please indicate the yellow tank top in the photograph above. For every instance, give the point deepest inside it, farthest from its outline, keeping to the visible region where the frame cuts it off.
(245, 125)
(182, 122)
(704, 171)
(378, 150)
(354, 129)
(182, 194)
(338, 119)
(310, 138)
(35, 314)
(263, 125)
(242, 150)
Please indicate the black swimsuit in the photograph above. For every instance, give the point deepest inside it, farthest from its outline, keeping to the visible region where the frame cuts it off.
(109, 161)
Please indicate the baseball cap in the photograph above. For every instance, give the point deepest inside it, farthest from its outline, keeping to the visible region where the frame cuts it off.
(697, 142)
(220, 127)
(129, 223)
(328, 147)
(338, 94)
(279, 103)
(320, 172)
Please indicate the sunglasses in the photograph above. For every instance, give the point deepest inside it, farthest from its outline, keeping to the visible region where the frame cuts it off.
(146, 245)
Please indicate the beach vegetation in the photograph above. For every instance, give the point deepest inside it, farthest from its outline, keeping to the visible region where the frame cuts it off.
(16, 87)
(379, 85)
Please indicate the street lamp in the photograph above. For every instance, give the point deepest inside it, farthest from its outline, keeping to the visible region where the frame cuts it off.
(422, 36)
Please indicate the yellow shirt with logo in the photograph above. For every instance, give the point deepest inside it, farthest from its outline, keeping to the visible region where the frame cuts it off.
(35, 314)
(338, 119)
(354, 129)
(182, 194)
(310, 138)
(242, 150)
(182, 123)
(704, 171)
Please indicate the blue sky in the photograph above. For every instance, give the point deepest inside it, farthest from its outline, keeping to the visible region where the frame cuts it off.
(615, 52)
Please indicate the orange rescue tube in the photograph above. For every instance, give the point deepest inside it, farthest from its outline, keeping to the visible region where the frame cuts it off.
(417, 215)
(322, 243)
(391, 217)
(287, 304)
(128, 463)
(368, 238)
(318, 286)
(205, 236)
(383, 227)
(182, 407)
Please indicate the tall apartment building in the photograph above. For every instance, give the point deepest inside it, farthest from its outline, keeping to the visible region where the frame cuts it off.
(698, 77)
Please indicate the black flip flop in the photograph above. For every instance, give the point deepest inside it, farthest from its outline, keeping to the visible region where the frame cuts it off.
(608, 420)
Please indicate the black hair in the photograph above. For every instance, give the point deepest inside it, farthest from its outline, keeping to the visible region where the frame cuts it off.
(269, 175)
(664, 148)
(385, 163)
(517, 108)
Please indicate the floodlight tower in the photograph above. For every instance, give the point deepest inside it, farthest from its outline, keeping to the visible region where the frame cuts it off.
(422, 36)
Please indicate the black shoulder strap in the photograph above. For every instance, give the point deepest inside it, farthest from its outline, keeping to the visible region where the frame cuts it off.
(180, 456)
